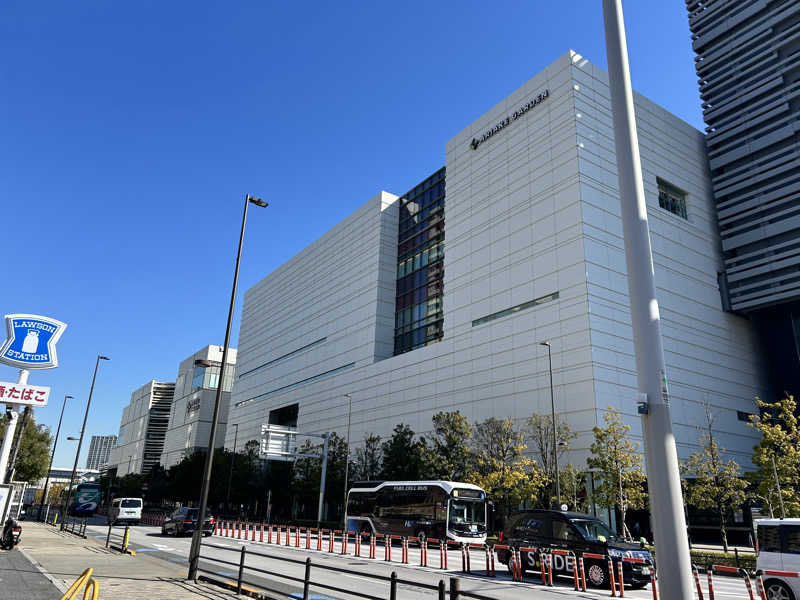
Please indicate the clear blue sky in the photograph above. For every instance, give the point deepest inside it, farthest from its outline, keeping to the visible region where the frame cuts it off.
(132, 130)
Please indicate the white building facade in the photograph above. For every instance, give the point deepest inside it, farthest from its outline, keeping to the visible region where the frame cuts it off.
(534, 252)
(193, 406)
(99, 450)
(142, 429)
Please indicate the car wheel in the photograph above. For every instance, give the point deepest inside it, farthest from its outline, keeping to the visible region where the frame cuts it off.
(777, 590)
(596, 575)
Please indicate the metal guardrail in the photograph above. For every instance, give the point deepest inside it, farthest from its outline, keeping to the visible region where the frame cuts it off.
(75, 526)
(393, 580)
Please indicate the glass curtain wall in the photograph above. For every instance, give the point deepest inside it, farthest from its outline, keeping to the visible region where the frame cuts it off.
(420, 265)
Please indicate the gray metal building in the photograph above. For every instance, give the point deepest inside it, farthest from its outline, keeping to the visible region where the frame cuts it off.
(748, 65)
(99, 450)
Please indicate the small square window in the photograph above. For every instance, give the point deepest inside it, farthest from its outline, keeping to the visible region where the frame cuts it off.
(671, 198)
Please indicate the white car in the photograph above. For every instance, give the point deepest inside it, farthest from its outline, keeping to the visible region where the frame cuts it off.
(779, 550)
(125, 510)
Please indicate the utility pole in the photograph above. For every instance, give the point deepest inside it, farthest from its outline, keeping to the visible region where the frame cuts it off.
(672, 547)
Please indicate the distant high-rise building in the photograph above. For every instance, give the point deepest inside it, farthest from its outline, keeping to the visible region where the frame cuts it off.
(191, 412)
(142, 429)
(99, 450)
(748, 67)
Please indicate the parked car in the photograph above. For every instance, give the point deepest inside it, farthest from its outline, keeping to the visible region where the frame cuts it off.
(184, 521)
(581, 533)
(779, 550)
(125, 510)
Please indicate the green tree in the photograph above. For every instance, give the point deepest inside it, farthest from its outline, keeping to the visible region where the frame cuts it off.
(33, 456)
(157, 482)
(718, 484)
(540, 430)
(780, 441)
(447, 454)
(500, 467)
(619, 464)
(369, 459)
(306, 479)
(402, 455)
(573, 487)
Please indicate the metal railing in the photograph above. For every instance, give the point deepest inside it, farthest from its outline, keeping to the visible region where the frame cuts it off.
(75, 526)
(391, 580)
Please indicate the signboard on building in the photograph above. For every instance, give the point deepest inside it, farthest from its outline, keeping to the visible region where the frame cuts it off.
(18, 393)
(31, 342)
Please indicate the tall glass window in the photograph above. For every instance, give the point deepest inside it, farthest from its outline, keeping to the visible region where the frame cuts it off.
(208, 378)
(420, 265)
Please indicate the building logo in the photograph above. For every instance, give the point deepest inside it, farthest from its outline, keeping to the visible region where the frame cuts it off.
(31, 342)
(477, 141)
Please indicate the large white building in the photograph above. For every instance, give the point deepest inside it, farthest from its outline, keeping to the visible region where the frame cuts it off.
(142, 429)
(534, 252)
(99, 450)
(193, 406)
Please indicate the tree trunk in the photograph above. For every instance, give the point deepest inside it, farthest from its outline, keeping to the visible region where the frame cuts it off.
(723, 530)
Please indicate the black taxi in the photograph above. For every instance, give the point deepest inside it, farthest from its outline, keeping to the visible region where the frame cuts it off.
(581, 533)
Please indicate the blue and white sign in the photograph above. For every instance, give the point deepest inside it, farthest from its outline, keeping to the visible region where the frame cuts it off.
(31, 342)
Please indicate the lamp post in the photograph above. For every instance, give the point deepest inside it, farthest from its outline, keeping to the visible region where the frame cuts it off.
(197, 537)
(52, 456)
(233, 463)
(347, 457)
(553, 417)
(83, 429)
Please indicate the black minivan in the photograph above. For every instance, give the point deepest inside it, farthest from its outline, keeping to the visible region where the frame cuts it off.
(577, 532)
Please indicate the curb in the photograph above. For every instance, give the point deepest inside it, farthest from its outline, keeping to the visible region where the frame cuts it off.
(60, 585)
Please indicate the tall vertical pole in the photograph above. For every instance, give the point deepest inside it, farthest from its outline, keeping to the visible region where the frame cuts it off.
(80, 439)
(553, 417)
(233, 464)
(52, 456)
(322, 478)
(672, 547)
(11, 428)
(197, 537)
(347, 457)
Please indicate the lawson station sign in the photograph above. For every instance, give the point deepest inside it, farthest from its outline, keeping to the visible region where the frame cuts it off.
(31, 342)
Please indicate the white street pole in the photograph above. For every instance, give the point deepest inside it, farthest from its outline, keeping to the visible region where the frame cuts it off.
(11, 427)
(666, 505)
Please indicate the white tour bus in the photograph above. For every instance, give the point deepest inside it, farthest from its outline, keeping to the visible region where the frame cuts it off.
(423, 509)
(125, 510)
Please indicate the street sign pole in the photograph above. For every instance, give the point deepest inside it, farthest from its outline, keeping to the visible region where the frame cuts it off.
(11, 428)
(666, 502)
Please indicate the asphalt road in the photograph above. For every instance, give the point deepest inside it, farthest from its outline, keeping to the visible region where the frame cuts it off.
(282, 569)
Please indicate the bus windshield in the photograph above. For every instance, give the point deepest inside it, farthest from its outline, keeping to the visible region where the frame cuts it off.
(467, 510)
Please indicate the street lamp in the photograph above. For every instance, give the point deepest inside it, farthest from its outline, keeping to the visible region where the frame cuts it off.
(233, 463)
(197, 538)
(52, 455)
(347, 455)
(553, 416)
(83, 429)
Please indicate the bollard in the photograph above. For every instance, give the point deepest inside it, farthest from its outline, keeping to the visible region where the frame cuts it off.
(289, 535)
(491, 562)
(308, 538)
(278, 535)
(463, 560)
(345, 535)
(653, 582)
(320, 533)
(582, 569)
(388, 548)
(760, 587)
(696, 574)
(442, 590)
(357, 542)
(487, 551)
(241, 572)
(126, 538)
(455, 588)
(621, 582)
(238, 530)
(746, 576)
(307, 578)
(297, 538)
(404, 547)
(710, 574)
(442, 554)
(372, 545)
(612, 579)
(542, 566)
(108, 537)
(393, 586)
(331, 540)
(269, 534)
(253, 537)
(423, 552)
(225, 531)
(261, 534)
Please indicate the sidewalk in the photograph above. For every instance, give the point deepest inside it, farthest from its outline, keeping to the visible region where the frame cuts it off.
(63, 557)
(20, 580)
